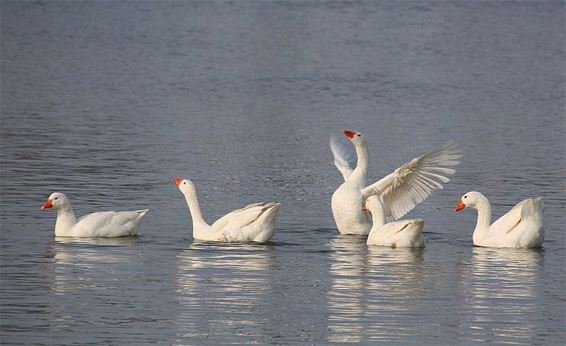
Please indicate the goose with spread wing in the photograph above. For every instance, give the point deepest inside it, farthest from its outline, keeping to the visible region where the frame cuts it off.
(399, 191)
(521, 227)
(253, 223)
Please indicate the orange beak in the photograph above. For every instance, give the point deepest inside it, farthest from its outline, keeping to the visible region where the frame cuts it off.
(48, 204)
(349, 134)
(459, 206)
(177, 181)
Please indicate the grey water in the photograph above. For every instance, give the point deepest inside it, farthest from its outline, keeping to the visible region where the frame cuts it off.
(107, 101)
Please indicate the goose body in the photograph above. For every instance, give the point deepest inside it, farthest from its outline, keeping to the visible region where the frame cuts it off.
(253, 223)
(346, 208)
(521, 227)
(399, 191)
(109, 224)
(403, 233)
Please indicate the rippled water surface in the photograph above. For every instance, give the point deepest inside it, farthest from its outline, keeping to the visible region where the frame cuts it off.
(106, 101)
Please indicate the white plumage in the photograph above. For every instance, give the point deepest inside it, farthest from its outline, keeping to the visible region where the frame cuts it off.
(399, 191)
(108, 224)
(253, 223)
(341, 157)
(414, 181)
(403, 233)
(521, 227)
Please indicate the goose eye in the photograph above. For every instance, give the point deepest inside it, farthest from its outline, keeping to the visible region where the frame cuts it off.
(56, 198)
(465, 196)
(359, 135)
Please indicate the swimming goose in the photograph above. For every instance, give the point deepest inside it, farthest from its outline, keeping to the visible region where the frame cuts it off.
(521, 227)
(253, 223)
(108, 224)
(403, 233)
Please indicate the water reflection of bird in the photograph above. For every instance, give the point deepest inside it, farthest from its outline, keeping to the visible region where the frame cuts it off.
(86, 262)
(224, 291)
(394, 287)
(89, 279)
(348, 284)
(370, 287)
(501, 294)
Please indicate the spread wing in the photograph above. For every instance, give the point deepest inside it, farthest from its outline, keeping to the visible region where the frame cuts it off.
(340, 157)
(413, 182)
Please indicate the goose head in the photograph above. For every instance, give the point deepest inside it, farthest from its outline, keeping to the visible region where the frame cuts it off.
(470, 199)
(371, 204)
(56, 200)
(355, 137)
(184, 185)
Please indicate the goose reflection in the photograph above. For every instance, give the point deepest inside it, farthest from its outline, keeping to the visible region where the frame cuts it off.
(395, 289)
(82, 263)
(371, 286)
(396, 273)
(87, 278)
(223, 289)
(346, 305)
(503, 296)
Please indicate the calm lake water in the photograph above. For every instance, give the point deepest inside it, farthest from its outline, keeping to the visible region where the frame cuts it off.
(106, 101)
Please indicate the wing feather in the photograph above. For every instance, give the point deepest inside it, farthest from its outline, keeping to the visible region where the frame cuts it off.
(341, 157)
(414, 181)
(511, 219)
(240, 217)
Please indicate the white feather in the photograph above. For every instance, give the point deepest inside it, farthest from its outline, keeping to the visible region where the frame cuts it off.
(253, 223)
(414, 181)
(520, 227)
(341, 156)
(107, 224)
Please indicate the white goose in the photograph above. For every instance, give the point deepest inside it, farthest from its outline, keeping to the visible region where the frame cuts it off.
(404, 233)
(108, 224)
(399, 191)
(521, 227)
(253, 223)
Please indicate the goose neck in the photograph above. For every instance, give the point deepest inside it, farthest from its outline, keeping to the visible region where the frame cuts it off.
(194, 208)
(362, 164)
(377, 210)
(484, 217)
(66, 219)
